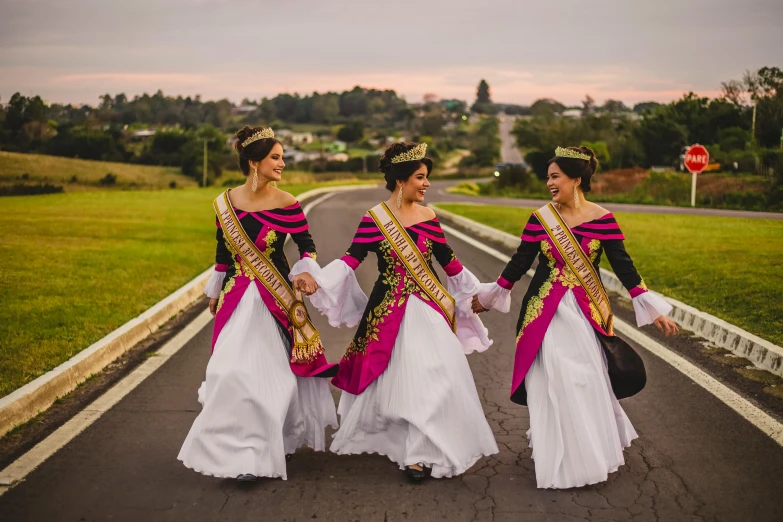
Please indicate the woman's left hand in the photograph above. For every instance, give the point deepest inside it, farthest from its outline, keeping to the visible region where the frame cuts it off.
(305, 283)
(666, 325)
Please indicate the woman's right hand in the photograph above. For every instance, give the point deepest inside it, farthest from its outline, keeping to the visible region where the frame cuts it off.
(213, 306)
(477, 306)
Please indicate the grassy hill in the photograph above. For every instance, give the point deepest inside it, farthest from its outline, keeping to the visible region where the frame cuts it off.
(79, 175)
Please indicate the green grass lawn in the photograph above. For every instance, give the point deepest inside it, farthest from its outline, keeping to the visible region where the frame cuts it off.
(61, 171)
(78, 265)
(729, 267)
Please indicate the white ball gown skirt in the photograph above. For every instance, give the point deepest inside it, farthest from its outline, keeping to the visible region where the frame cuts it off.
(255, 410)
(424, 408)
(577, 427)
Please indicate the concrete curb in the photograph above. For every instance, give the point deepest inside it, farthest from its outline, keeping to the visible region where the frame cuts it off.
(763, 354)
(26, 402)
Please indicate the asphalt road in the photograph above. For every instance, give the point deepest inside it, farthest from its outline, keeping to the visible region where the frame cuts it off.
(695, 459)
(509, 153)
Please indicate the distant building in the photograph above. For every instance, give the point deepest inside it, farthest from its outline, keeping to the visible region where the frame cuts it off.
(243, 109)
(572, 113)
(143, 133)
(340, 156)
(301, 138)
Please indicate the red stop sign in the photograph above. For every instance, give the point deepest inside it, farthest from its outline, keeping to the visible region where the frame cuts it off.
(696, 158)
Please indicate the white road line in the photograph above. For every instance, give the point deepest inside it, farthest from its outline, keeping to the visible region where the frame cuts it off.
(21, 467)
(769, 425)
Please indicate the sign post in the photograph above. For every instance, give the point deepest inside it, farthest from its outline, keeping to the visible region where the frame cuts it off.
(696, 160)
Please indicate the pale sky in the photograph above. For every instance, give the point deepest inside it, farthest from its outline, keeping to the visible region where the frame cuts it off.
(75, 50)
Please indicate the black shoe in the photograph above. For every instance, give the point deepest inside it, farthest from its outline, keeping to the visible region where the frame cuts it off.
(418, 475)
(247, 477)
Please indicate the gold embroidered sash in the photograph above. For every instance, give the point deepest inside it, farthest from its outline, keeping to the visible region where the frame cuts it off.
(413, 261)
(577, 261)
(307, 342)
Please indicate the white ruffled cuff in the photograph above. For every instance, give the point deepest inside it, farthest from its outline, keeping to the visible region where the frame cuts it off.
(306, 264)
(463, 286)
(648, 307)
(214, 284)
(494, 297)
(339, 296)
(471, 332)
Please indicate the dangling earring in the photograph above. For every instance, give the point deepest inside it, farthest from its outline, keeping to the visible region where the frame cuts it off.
(399, 198)
(255, 179)
(576, 197)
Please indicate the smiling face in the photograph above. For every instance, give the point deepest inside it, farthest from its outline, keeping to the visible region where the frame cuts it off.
(271, 167)
(560, 185)
(415, 187)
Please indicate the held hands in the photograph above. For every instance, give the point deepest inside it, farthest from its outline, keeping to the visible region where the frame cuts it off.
(476, 305)
(305, 283)
(213, 306)
(666, 325)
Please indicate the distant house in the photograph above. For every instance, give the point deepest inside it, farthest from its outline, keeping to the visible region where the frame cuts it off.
(283, 134)
(243, 109)
(143, 133)
(340, 156)
(572, 113)
(301, 138)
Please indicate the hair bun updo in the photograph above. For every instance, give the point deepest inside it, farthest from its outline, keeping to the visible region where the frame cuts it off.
(255, 151)
(578, 168)
(392, 172)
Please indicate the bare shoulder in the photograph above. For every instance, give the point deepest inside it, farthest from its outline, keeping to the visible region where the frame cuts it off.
(284, 199)
(426, 213)
(598, 211)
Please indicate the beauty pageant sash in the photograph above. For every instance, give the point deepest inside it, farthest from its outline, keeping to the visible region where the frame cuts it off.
(413, 261)
(306, 340)
(577, 261)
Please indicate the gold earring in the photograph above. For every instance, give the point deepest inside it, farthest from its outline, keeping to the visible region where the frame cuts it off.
(399, 198)
(255, 179)
(576, 197)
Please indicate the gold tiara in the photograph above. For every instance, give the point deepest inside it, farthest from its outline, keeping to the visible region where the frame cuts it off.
(260, 135)
(562, 152)
(416, 153)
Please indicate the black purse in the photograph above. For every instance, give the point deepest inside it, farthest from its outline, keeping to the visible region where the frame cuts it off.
(625, 366)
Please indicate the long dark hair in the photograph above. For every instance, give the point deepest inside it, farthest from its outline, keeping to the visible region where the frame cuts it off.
(400, 171)
(255, 151)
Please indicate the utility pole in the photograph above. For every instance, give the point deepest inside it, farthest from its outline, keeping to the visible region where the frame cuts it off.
(204, 181)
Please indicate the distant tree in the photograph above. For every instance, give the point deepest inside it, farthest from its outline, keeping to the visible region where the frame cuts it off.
(614, 106)
(588, 105)
(641, 107)
(483, 103)
(326, 108)
(482, 92)
(601, 151)
(352, 131)
(432, 123)
(546, 107)
(430, 97)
